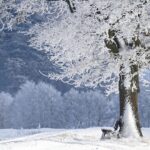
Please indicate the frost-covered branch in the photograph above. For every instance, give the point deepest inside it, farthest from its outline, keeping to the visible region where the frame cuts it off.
(76, 41)
(88, 41)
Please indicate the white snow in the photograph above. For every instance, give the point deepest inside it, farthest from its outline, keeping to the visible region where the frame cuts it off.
(130, 129)
(77, 139)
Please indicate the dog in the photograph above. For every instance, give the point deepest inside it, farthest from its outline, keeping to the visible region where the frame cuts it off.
(107, 133)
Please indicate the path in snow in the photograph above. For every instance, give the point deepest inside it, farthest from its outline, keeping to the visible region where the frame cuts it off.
(81, 139)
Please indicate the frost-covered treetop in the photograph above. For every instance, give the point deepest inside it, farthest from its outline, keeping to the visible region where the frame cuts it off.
(88, 40)
(13, 12)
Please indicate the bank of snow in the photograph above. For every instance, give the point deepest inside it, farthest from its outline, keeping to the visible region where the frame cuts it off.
(78, 139)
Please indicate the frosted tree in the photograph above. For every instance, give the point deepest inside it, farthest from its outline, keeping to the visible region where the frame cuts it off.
(13, 12)
(87, 109)
(5, 101)
(37, 104)
(41, 105)
(144, 106)
(8, 17)
(95, 43)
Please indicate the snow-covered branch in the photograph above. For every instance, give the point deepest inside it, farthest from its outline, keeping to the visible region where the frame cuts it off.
(88, 45)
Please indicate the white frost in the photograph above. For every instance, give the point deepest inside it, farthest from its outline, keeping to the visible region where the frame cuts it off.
(130, 129)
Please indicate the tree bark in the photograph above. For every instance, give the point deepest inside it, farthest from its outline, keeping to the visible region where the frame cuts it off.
(131, 93)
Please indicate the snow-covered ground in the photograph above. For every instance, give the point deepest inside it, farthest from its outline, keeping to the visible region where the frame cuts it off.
(59, 139)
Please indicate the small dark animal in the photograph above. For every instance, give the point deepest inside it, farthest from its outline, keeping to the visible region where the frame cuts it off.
(119, 124)
(107, 133)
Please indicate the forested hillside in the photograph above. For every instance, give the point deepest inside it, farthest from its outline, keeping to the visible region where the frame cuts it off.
(19, 63)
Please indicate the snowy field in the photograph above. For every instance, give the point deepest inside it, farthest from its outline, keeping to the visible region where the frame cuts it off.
(59, 139)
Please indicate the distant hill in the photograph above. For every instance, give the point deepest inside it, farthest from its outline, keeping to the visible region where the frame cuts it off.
(19, 63)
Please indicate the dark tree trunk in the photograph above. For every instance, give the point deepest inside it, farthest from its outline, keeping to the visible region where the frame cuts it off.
(131, 93)
(122, 90)
(134, 95)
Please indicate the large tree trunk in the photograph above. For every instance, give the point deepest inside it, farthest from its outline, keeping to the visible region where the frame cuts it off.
(129, 97)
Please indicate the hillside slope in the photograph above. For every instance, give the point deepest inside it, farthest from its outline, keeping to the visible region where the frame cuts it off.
(19, 63)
